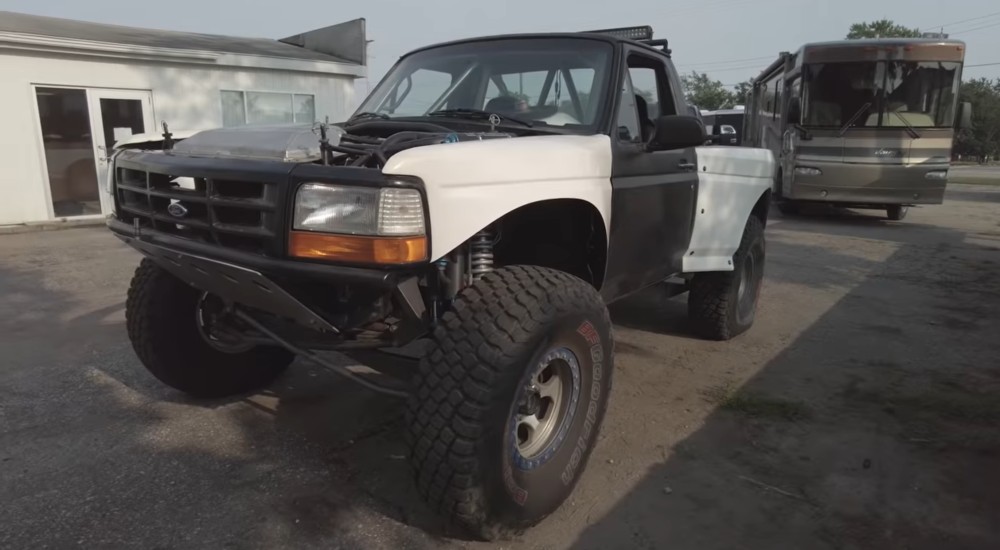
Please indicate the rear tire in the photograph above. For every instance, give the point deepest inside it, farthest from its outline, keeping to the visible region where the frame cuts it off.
(492, 446)
(161, 318)
(789, 208)
(896, 212)
(723, 304)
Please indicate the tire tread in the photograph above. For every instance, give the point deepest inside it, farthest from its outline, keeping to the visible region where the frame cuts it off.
(494, 322)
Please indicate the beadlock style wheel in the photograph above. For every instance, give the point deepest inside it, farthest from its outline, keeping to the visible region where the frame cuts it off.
(545, 407)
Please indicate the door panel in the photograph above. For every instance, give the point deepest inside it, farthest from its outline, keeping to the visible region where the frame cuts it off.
(116, 115)
(652, 209)
(653, 193)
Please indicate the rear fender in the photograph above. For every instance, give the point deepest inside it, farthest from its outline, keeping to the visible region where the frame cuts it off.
(731, 183)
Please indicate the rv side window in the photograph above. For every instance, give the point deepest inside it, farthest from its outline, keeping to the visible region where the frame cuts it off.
(794, 91)
(776, 111)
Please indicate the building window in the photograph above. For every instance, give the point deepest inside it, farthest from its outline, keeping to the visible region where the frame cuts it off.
(249, 108)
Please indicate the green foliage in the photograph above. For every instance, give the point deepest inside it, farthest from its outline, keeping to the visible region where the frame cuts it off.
(706, 93)
(756, 405)
(984, 136)
(883, 28)
(741, 93)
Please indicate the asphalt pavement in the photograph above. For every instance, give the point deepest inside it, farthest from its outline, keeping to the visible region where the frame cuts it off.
(859, 412)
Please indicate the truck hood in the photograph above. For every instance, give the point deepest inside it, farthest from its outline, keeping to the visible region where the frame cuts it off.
(286, 143)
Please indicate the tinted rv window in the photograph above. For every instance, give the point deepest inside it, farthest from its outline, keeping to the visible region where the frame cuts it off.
(921, 94)
(838, 92)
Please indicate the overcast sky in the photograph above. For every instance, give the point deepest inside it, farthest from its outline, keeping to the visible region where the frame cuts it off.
(731, 40)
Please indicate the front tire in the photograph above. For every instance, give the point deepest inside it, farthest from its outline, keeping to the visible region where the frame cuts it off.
(723, 304)
(509, 399)
(896, 212)
(161, 317)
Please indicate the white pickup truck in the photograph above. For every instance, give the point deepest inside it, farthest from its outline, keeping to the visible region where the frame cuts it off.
(490, 197)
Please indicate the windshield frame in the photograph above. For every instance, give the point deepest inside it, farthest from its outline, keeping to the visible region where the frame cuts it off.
(880, 70)
(600, 96)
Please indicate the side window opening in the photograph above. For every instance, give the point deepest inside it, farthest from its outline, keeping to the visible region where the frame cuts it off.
(628, 119)
(647, 95)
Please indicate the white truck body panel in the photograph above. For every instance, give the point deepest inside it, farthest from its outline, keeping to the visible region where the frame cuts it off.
(473, 183)
(730, 181)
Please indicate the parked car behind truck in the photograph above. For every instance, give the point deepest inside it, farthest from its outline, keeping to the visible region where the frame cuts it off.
(861, 123)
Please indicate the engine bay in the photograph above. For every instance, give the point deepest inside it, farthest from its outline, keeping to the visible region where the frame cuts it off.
(366, 144)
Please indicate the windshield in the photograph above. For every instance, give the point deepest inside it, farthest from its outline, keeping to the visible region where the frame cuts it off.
(920, 94)
(552, 81)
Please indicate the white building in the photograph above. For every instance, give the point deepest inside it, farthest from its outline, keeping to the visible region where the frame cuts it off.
(69, 89)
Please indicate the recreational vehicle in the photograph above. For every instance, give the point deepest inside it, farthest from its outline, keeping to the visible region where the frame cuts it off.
(860, 123)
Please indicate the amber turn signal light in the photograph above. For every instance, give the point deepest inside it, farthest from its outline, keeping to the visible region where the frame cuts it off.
(353, 248)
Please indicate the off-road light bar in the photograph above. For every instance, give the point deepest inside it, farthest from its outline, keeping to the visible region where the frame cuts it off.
(644, 32)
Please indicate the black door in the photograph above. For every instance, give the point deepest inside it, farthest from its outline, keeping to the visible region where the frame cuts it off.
(653, 193)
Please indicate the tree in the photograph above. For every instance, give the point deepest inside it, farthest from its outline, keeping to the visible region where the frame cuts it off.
(883, 28)
(706, 93)
(983, 139)
(741, 92)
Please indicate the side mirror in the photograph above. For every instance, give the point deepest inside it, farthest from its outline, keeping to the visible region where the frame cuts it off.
(677, 132)
(965, 115)
(795, 111)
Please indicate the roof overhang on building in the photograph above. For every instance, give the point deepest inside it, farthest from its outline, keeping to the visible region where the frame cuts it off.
(317, 52)
(345, 40)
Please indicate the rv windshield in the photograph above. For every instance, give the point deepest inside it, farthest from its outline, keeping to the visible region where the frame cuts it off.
(920, 94)
(558, 82)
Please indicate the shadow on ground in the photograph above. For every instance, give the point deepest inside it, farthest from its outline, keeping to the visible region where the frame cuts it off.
(893, 442)
(97, 453)
(884, 436)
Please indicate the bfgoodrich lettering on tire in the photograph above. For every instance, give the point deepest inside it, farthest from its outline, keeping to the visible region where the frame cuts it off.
(508, 402)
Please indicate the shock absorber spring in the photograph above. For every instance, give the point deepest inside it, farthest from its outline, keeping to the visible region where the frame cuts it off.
(481, 253)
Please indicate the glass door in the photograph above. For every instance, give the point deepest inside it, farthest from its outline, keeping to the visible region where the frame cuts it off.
(64, 116)
(79, 127)
(116, 115)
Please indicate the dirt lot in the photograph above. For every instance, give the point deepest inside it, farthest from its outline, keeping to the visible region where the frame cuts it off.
(860, 412)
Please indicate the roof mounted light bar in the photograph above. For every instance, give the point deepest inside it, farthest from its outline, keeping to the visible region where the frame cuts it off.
(642, 34)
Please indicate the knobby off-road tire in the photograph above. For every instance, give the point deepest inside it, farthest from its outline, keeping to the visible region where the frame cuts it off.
(161, 317)
(723, 304)
(466, 418)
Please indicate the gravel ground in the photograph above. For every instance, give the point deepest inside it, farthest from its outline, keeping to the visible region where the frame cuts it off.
(859, 412)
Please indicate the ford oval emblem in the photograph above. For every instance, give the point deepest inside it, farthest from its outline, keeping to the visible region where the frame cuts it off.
(177, 210)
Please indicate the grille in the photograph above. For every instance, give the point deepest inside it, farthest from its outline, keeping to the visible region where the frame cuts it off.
(234, 214)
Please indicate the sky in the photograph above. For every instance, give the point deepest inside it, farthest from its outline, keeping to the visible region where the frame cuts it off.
(731, 40)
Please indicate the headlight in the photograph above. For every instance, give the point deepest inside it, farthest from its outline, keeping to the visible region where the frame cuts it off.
(807, 171)
(358, 224)
(359, 210)
(937, 175)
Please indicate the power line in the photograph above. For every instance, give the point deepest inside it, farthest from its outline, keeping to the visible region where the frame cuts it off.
(727, 62)
(730, 69)
(983, 65)
(977, 28)
(939, 26)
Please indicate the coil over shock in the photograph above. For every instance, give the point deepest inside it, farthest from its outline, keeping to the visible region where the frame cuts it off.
(481, 253)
